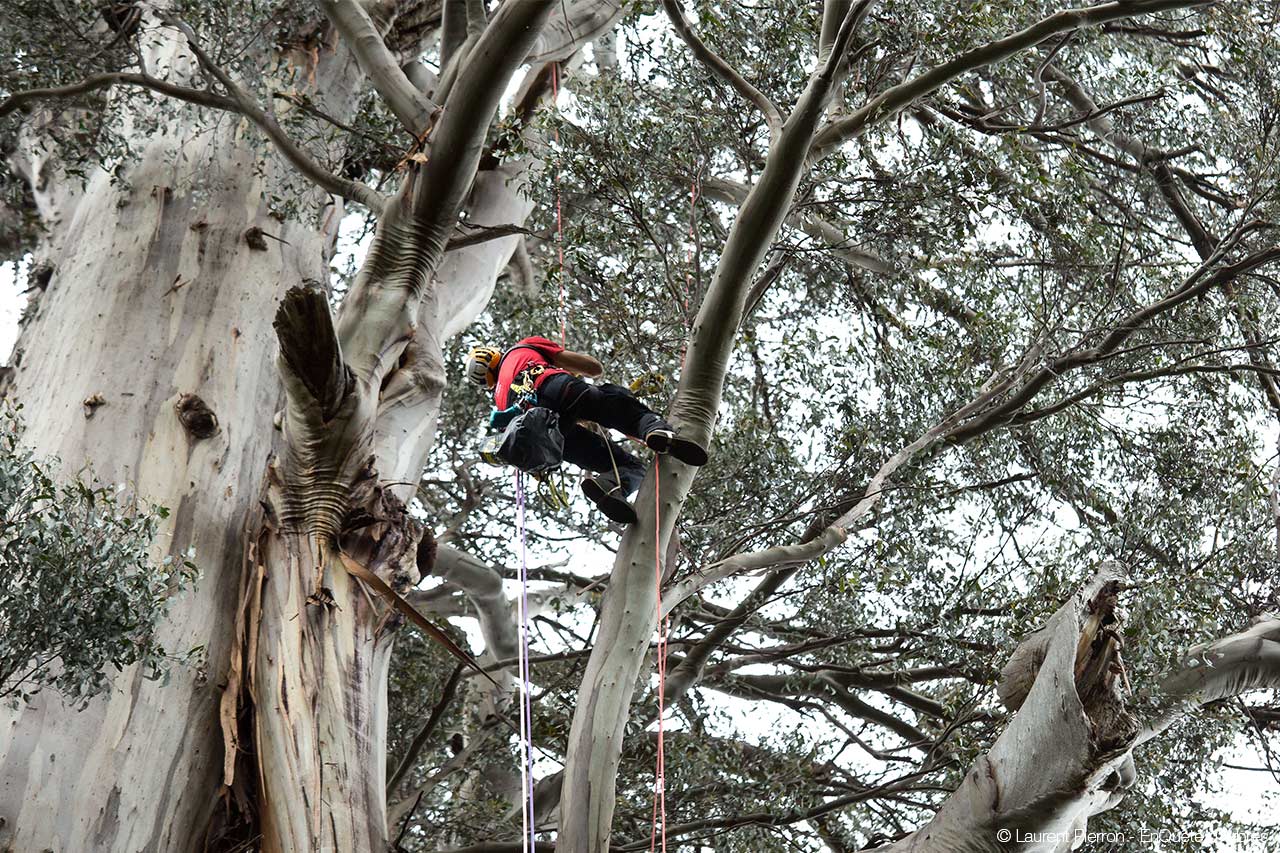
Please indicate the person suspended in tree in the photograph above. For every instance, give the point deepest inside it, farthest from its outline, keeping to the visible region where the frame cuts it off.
(544, 373)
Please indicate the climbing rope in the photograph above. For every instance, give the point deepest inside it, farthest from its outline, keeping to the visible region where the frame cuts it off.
(528, 822)
(660, 771)
(555, 132)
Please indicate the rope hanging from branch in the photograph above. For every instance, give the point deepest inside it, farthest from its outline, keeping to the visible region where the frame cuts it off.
(555, 131)
(660, 771)
(528, 820)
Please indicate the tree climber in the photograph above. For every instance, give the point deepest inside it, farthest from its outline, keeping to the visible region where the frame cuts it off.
(537, 369)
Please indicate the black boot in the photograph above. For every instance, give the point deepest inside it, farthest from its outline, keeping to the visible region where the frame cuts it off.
(604, 492)
(663, 439)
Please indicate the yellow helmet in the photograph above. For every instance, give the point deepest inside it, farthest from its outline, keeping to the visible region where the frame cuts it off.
(482, 366)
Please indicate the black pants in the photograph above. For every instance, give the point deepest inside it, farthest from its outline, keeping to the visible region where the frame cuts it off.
(611, 406)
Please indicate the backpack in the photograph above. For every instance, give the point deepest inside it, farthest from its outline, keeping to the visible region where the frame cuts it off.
(531, 442)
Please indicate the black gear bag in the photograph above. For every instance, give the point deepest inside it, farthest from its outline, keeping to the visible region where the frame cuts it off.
(532, 441)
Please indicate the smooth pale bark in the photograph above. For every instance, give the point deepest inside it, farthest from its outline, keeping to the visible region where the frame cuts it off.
(1067, 754)
(158, 287)
(155, 294)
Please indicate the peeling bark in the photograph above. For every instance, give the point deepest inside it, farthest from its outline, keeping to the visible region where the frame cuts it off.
(1068, 752)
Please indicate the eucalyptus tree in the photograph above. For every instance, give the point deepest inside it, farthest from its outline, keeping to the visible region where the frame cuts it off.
(942, 256)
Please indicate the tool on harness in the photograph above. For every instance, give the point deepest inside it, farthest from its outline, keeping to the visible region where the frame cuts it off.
(521, 396)
(647, 383)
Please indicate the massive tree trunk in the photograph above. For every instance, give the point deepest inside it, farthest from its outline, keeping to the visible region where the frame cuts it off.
(154, 306)
(155, 312)
(152, 312)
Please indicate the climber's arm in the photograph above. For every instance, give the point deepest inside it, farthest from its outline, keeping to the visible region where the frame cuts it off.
(576, 362)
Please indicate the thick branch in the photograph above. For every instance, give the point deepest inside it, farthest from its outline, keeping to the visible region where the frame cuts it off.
(482, 585)
(1067, 754)
(310, 357)
(410, 106)
(1228, 667)
(1198, 283)
(753, 231)
(381, 311)
(203, 97)
(240, 103)
(721, 68)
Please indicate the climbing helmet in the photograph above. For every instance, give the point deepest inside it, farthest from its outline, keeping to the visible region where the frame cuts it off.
(482, 366)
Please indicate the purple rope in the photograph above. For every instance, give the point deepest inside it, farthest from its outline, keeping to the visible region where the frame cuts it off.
(526, 685)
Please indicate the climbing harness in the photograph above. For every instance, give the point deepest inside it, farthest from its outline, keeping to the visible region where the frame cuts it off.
(529, 823)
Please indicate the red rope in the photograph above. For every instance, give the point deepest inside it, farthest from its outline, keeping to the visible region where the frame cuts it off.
(564, 305)
(660, 773)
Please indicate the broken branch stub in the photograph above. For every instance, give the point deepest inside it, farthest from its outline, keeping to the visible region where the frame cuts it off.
(309, 347)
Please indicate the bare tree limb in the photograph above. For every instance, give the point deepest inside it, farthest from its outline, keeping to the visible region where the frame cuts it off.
(891, 101)
(413, 108)
(303, 162)
(202, 97)
(721, 68)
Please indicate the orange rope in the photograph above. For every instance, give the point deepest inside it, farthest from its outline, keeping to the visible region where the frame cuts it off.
(660, 773)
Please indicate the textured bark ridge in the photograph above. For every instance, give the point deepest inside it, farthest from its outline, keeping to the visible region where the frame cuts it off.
(316, 652)
(362, 394)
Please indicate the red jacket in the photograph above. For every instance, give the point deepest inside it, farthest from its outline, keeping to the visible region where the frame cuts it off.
(525, 354)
